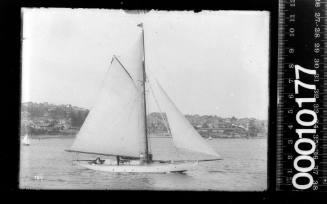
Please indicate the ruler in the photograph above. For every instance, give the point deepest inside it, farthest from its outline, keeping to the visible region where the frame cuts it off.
(301, 132)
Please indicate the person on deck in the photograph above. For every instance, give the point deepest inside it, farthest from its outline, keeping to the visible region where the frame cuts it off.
(98, 161)
(118, 160)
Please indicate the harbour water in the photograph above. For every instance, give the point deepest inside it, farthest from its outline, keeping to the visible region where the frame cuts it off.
(45, 165)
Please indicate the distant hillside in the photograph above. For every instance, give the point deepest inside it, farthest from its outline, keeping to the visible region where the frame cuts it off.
(214, 126)
(45, 118)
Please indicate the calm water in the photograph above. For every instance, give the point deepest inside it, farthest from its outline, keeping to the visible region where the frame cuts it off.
(45, 165)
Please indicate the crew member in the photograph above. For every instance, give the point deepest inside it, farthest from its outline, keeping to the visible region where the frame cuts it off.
(118, 158)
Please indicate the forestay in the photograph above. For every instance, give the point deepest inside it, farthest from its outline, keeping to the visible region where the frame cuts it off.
(184, 136)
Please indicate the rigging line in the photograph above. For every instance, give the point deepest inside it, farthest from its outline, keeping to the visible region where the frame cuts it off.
(102, 85)
(96, 153)
(161, 114)
(126, 71)
(177, 152)
(148, 112)
(140, 115)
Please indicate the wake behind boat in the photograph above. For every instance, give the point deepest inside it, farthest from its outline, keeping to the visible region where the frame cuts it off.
(117, 124)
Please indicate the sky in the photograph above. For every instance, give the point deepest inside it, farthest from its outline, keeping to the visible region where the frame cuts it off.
(209, 63)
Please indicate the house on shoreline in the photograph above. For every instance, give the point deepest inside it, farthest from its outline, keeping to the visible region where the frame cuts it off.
(45, 118)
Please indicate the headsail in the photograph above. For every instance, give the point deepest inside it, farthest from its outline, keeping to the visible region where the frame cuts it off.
(115, 125)
(184, 135)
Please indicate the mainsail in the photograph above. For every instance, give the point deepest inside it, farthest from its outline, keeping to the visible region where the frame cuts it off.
(115, 125)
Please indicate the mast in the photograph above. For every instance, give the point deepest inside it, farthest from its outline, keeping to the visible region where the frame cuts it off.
(147, 154)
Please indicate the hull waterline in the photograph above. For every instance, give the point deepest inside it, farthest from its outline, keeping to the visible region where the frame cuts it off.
(146, 168)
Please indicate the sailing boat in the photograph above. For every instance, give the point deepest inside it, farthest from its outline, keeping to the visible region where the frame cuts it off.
(117, 125)
(26, 140)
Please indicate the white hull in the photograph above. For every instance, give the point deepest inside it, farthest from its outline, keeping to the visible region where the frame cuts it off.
(145, 168)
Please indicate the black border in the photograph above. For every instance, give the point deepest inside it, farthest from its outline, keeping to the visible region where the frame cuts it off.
(10, 23)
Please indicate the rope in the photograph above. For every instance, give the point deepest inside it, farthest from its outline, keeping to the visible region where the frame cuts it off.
(177, 152)
(161, 114)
